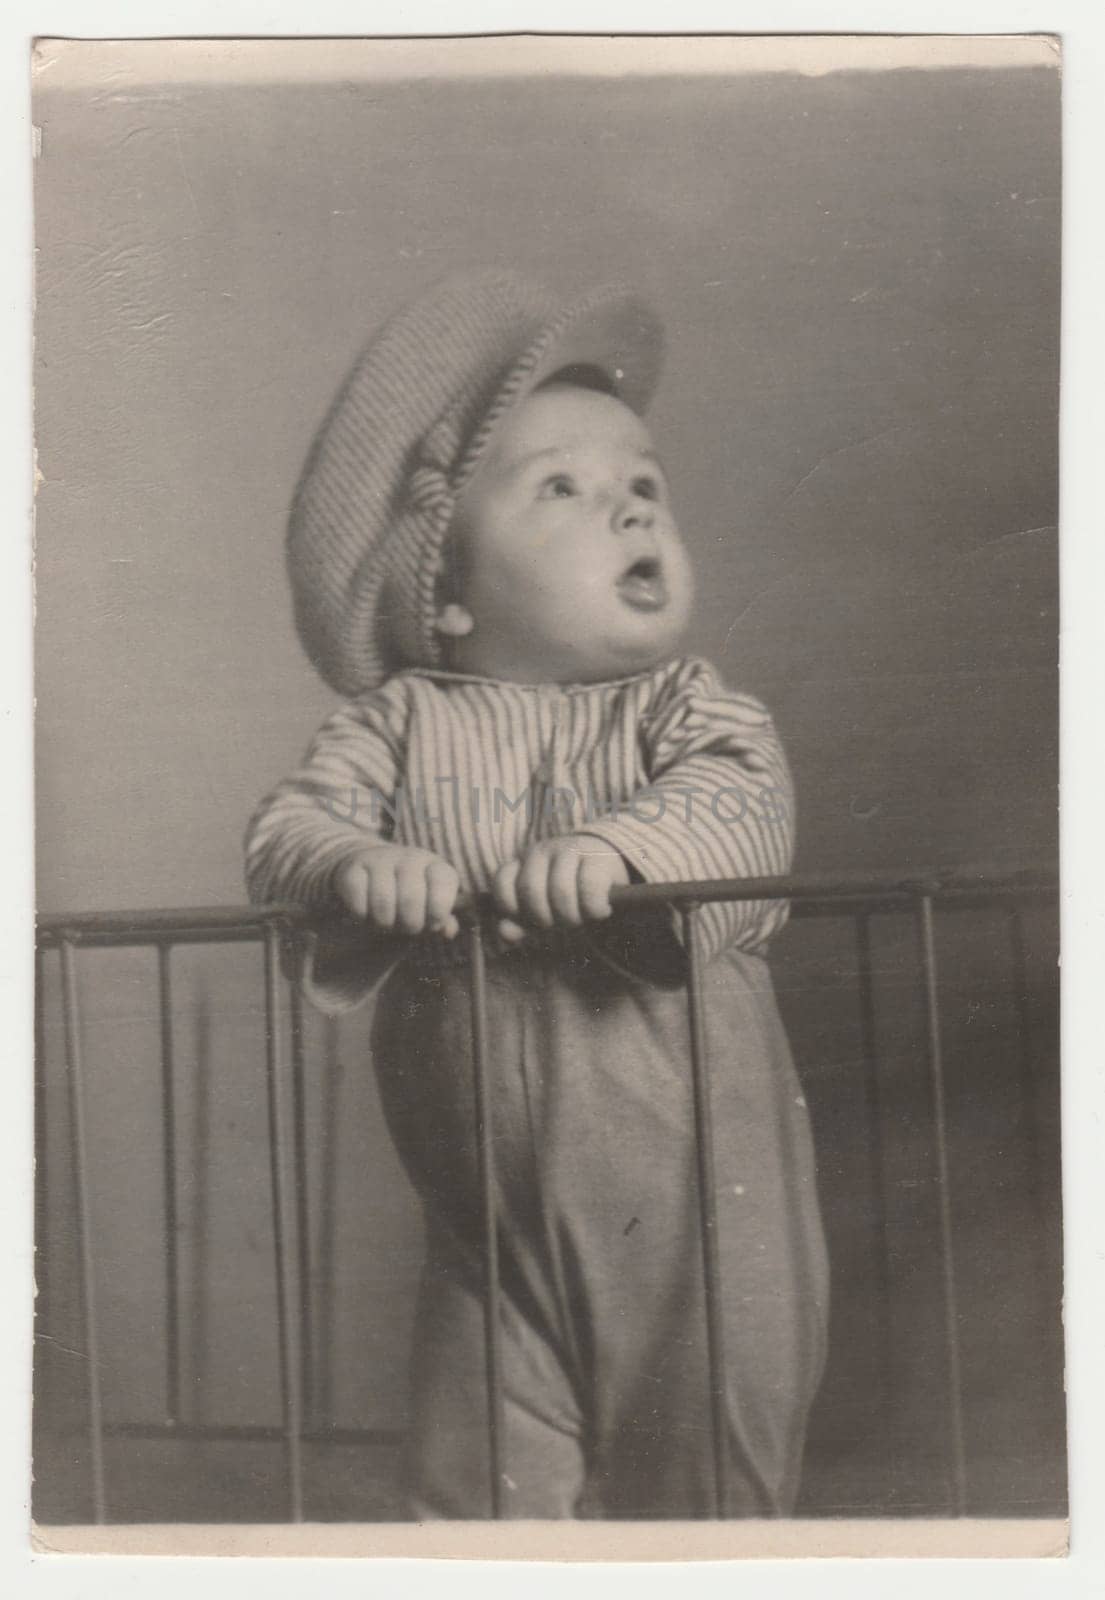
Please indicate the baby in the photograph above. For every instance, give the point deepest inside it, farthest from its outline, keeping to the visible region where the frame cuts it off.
(486, 566)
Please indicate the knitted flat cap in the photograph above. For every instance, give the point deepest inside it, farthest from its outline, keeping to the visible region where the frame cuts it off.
(407, 430)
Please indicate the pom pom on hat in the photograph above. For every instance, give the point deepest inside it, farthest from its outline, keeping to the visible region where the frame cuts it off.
(406, 432)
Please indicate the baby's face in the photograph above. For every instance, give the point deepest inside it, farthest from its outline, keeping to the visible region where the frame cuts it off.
(573, 568)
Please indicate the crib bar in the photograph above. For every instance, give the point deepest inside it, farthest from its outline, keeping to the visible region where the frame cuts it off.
(957, 1464)
(1030, 1120)
(486, 1157)
(169, 1186)
(880, 1252)
(707, 1202)
(810, 891)
(328, 1162)
(303, 1219)
(290, 1371)
(41, 1202)
(210, 923)
(79, 1137)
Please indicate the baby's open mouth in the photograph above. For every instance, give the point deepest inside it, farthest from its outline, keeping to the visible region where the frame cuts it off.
(642, 585)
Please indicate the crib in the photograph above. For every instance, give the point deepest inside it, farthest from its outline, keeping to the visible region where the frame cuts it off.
(301, 1240)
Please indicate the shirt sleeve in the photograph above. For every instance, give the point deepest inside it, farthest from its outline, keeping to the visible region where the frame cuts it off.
(333, 806)
(719, 804)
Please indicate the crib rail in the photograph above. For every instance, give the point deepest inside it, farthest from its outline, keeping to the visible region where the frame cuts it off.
(275, 930)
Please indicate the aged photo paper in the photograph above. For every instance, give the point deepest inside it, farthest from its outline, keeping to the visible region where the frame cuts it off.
(716, 1227)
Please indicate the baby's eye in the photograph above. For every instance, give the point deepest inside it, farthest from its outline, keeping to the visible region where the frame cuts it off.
(647, 487)
(558, 487)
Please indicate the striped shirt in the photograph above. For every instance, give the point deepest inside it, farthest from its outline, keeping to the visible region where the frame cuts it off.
(683, 777)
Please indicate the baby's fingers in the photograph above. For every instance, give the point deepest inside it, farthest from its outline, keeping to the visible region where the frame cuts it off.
(505, 887)
(411, 892)
(442, 887)
(564, 885)
(533, 888)
(352, 887)
(597, 874)
(382, 896)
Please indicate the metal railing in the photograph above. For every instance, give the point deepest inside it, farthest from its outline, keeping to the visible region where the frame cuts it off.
(276, 929)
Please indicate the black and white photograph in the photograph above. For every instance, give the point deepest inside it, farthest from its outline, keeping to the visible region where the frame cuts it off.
(546, 765)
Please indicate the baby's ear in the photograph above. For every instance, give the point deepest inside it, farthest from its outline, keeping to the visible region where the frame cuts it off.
(454, 621)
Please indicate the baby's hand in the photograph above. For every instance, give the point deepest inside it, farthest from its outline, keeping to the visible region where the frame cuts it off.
(558, 881)
(398, 886)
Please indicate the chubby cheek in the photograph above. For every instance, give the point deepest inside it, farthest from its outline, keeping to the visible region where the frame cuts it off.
(561, 573)
(520, 593)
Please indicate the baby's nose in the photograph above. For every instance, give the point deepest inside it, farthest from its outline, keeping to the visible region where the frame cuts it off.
(633, 512)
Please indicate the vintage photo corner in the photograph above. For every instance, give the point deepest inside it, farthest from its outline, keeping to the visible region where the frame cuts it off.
(546, 757)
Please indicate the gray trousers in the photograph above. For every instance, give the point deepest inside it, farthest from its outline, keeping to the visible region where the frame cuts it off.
(607, 1405)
